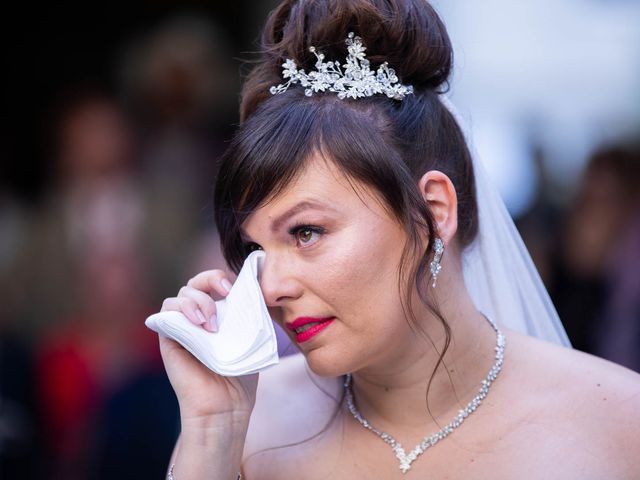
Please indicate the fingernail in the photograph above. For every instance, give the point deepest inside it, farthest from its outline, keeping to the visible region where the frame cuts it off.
(201, 319)
(213, 325)
(226, 284)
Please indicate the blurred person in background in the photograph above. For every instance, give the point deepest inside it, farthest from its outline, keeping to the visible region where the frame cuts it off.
(179, 87)
(92, 204)
(594, 279)
(87, 281)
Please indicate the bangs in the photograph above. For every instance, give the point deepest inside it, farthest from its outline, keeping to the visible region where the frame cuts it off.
(272, 147)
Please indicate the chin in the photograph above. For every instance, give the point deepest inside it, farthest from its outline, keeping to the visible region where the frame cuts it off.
(325, 363)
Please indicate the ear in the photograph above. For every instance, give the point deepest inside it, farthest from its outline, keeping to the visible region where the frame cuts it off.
(439, 193)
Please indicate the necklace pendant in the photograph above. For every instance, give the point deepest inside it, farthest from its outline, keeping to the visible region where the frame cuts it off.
(405, 460)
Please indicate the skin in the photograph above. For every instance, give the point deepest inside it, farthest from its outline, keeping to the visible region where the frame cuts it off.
(552, 413)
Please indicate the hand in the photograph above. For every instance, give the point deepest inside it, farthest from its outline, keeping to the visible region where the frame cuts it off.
(202, 394)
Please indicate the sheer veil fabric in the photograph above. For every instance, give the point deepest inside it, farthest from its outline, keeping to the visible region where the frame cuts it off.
(498, 271)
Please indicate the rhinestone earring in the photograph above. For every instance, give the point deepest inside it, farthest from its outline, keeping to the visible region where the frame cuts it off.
(435, 263)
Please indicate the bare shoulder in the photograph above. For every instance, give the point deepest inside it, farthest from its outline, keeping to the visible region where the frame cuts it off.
(593, 397)
(292, 404)
(579, 372)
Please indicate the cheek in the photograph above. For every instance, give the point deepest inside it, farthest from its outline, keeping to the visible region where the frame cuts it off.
(360, 279)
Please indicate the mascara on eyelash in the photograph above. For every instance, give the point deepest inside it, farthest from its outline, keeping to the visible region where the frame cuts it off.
(250, 247)
(304, 226)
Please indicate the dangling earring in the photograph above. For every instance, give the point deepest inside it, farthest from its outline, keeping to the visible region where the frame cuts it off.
(435, 263)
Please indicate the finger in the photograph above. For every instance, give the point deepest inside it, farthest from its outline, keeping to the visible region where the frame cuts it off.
(205, 303)
(204, 300)
(170, 304)
(189, 308)
(211, 281)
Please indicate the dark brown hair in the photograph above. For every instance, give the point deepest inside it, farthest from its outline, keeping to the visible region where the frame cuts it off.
(383, 143)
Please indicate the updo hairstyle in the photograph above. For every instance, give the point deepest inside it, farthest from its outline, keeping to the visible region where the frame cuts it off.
(384, 143)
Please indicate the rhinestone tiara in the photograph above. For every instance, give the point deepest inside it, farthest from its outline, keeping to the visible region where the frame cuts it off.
(356, 81)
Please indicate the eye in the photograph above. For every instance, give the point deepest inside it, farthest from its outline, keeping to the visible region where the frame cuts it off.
(306, 235)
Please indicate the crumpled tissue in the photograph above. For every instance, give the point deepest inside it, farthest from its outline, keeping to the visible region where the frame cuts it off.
(245, 341)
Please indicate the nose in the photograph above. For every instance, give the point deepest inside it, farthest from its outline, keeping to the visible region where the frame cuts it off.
(278, 281)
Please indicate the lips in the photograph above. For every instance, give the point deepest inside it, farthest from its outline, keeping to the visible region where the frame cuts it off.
(306, 328)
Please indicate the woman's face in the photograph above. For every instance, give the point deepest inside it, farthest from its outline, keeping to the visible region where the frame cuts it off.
(332, 258)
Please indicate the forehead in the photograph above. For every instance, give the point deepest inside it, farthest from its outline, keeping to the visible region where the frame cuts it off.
(320, 186)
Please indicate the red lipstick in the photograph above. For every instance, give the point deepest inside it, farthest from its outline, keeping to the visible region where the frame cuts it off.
(318, 324)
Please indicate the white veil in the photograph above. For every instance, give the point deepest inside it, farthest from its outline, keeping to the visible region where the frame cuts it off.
(498, 271)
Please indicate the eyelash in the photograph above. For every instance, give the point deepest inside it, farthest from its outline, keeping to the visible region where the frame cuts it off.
(293, 231)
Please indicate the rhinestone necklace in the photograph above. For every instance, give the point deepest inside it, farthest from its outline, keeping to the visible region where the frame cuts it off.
(429, 441)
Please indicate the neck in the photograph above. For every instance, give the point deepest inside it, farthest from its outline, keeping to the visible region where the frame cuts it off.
(392, 392)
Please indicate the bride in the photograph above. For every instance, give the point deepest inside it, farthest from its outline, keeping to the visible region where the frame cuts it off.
(396, 274)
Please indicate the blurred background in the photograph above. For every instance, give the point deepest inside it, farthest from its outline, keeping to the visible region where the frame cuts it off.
(113, 119)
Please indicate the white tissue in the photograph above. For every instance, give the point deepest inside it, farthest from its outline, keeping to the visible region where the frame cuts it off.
(245, 341)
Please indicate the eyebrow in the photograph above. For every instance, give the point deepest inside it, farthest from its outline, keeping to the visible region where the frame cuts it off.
(296, 209)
